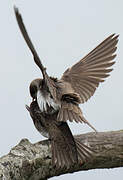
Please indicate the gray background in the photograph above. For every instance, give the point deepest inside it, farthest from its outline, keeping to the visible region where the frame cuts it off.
(63, 32)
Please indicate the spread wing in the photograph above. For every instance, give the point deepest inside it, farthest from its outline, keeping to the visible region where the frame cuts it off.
(86, 75)
(49, 82)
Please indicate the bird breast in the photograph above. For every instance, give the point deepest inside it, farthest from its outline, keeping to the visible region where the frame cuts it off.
(42, 130)
(46, 101)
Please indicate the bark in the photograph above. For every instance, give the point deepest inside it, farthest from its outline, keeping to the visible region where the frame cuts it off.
(28, 161)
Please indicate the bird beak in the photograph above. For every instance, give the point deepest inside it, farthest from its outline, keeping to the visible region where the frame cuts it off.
(27, 107)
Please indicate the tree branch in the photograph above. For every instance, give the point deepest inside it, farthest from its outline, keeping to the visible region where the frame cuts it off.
(33, 161)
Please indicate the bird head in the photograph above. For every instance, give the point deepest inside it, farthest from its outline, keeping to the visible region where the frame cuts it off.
(37, 85)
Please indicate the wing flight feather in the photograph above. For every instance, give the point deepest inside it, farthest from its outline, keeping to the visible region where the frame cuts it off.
(86, 75)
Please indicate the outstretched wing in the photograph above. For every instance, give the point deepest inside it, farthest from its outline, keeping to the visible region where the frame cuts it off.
(49, 82)
(86, 75)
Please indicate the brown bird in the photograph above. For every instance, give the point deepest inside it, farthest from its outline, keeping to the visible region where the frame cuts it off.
(66, 150)
(61, 97)
(77, 84)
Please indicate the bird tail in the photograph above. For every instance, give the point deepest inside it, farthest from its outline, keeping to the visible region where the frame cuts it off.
(62, 157)
(63, 146)
(84, 152)
(66, 157)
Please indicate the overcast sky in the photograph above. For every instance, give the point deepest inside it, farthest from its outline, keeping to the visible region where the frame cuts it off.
(63, 31)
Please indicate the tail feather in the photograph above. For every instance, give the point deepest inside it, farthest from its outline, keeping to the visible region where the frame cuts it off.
(53, 153)
(85, 121)
(61, 157)
(67, 159)
(81, 156)
(64, 151)
(85, 148)
(84, 152)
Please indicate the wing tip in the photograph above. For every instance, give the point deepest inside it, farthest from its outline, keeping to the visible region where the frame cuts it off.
(115, 36)
(17, 14)
(16, 10)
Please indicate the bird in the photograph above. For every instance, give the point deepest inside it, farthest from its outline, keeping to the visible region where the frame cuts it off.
(60, 98)
(77, 83)
(67, 150)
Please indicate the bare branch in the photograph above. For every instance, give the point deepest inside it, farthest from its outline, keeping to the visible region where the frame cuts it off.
(33, 161)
